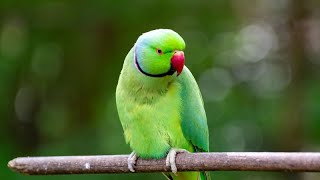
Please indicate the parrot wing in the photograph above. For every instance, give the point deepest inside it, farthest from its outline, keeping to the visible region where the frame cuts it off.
(194, 121)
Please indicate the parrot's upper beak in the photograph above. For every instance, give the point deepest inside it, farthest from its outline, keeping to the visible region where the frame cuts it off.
(177, 61)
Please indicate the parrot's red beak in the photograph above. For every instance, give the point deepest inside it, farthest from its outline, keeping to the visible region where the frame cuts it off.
(177, 61)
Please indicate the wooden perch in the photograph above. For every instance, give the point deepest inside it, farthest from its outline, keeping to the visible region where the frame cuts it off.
(233, 161)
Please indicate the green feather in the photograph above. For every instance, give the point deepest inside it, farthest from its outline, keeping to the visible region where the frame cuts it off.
(194, 121)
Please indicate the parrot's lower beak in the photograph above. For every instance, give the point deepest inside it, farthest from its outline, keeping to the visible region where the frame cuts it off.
(177, 61)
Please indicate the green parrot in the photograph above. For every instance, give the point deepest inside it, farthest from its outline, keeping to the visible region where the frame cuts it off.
(159, 103)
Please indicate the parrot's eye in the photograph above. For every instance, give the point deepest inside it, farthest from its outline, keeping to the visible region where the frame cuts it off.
(159, 51)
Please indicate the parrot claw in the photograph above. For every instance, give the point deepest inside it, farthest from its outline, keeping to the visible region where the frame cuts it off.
(171, 158)
(132, 159)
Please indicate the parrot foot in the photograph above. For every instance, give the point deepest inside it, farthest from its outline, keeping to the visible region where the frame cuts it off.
(171, 158)
(132, 159)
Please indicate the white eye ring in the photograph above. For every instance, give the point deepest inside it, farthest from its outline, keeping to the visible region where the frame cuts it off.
(159, 51)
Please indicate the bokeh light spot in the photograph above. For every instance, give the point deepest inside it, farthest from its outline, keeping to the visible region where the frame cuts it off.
(275, 78)
(215, 84)
(47, 61)
(255, 42)
(13, 39)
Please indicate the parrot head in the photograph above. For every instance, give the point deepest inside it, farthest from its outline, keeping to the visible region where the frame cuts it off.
(159, 53)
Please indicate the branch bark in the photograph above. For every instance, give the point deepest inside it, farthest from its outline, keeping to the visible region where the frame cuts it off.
(231, 161)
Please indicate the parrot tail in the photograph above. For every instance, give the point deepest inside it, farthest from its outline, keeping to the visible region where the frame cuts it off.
(205, 175)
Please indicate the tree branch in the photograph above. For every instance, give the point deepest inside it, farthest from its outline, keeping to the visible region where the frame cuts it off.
(233, 161)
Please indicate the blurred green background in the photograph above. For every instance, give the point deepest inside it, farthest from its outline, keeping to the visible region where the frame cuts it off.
(257, 63)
